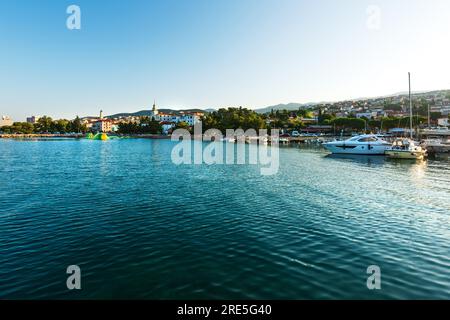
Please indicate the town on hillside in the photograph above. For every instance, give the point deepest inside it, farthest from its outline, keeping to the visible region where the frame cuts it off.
(430, 109)
(164, 121)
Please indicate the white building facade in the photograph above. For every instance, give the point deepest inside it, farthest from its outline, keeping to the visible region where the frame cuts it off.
(191, 118)
(6, 121)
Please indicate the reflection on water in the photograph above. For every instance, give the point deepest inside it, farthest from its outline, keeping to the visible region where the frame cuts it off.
(416, 169)
(361, 159)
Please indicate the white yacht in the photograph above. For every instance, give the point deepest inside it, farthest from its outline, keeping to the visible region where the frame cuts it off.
(367, 144)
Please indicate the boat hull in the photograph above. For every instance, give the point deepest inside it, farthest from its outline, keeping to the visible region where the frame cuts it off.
(405, 154)
(356, 149)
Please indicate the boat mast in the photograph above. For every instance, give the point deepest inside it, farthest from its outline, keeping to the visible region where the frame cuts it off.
(410, 108)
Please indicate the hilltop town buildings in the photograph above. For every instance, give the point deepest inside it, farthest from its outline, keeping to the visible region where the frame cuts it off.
(167, 120)
(191, 118)
(102, 124)
(373, 108)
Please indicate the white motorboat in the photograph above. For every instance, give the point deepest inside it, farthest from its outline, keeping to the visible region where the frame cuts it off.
(404, 148)
(367, 144)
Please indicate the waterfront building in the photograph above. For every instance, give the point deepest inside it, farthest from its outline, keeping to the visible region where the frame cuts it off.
(167, 127)
(441, 107)
(191, 118)
(400, 132)
(313, 120)
(88, 124)
(33, 119)
(445, 110)
(435, 108)
(102, 125)
(167, 117)
(6, 121)
(443, 122)
(396, 114)
(317, 129)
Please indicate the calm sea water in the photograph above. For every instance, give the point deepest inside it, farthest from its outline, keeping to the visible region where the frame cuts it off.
(141, 227)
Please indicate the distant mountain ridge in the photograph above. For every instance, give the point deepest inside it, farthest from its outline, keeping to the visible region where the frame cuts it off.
(295, 106)
(148, 113)
(288, 106)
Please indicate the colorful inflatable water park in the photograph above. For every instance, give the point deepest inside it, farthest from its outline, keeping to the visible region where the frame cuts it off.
(99, 136)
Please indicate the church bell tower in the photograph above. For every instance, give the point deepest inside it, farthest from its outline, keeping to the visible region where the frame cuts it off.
(154, 109)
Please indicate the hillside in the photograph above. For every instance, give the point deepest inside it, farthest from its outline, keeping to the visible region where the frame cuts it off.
(296, 106)
(148, 113)
(289, 106)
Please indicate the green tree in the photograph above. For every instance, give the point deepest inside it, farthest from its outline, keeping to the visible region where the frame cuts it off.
(182, 125)
(128, 128)
(76, 126)
(392, 106)
(61, 125)
(19, 127)
(325, 118)
(154, 127)
(234, 118)
(349, 123)
(44, 124)
(304, 113)
(146, 126)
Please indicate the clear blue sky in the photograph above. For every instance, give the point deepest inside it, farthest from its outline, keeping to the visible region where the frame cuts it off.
(214, 53)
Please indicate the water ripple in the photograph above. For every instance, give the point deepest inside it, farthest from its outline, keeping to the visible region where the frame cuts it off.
(140, 227)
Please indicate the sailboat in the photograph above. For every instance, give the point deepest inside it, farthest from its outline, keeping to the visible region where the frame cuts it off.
(404, 148)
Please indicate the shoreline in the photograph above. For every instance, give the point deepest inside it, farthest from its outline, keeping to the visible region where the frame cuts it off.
(77, 136)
